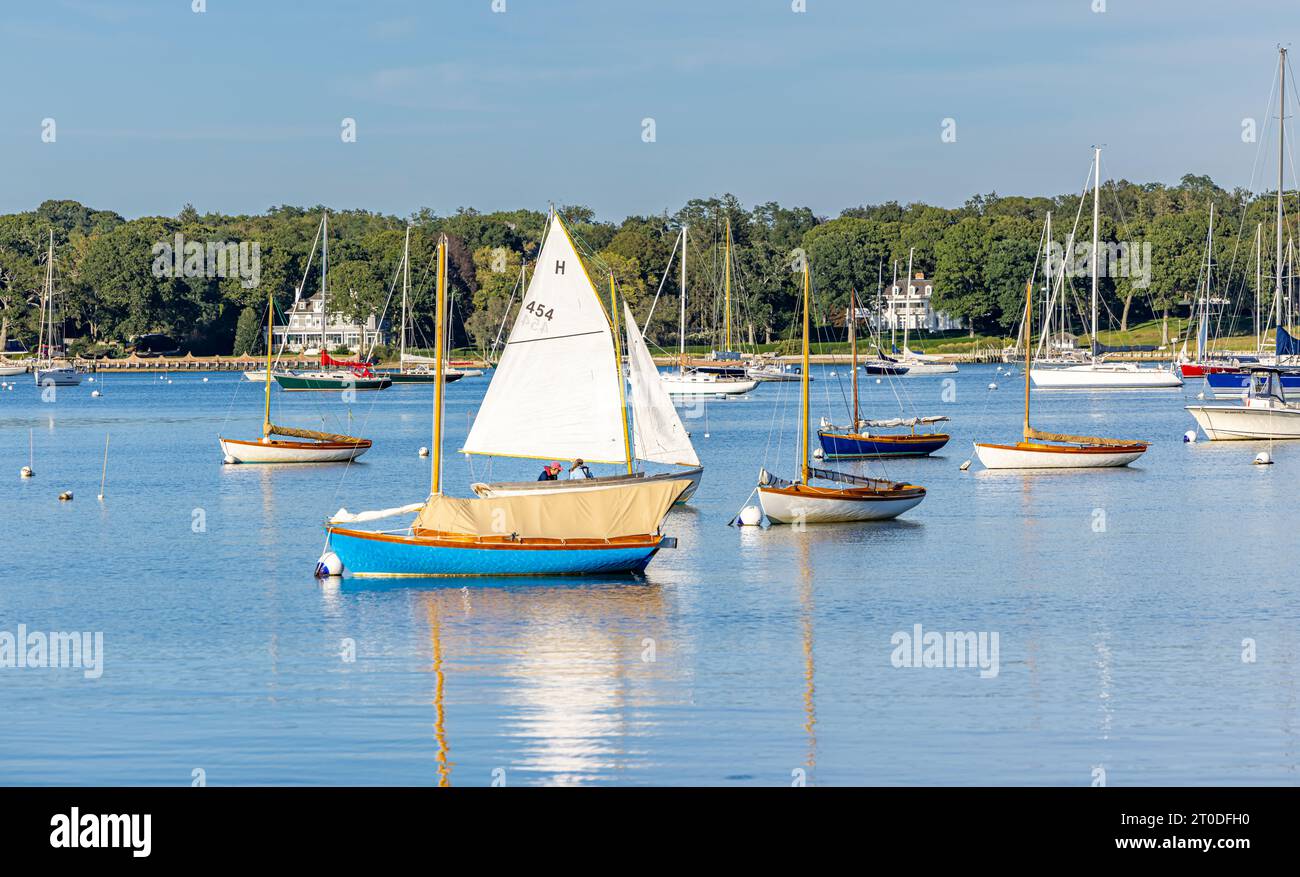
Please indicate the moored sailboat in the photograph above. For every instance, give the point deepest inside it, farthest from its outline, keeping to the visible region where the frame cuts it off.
(579, 533)
(862, 499)
(856, 440)
(1048, 450)
(50, 369)
(311, 446)
(560, 375)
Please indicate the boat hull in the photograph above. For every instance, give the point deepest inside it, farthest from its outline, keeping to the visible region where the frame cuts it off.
(365, 553)
(57, 377)
(841, 446)
(801, 504)
(318, 382)
(1240, 423)
(292, 452)
(886, 369)
(420, 377)
(1032, 455)
(537, 488)
(705, 386)
(9, 371)
(1200, 370)
(924, 369)
(1087, 377)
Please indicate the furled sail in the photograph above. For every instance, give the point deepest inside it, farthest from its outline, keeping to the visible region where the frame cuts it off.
(556, 392)
(657, 432)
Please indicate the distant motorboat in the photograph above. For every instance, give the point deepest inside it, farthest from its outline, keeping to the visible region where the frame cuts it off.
(58, 376)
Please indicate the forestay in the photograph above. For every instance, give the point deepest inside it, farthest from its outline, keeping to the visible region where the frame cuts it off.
(657, 432)
(556, 393)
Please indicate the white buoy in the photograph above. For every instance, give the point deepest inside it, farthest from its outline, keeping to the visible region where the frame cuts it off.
(1263, 458)
(329, 565)
(965, 466)
(205, 380)
(1189, 437)
(706, 435)
(94, 394)
(877, 380)
(819, 454)
(993, 386)
(228, 460)
(751, 516)
(26, 472)
(66, 496)
(832, 374)
(424, 452)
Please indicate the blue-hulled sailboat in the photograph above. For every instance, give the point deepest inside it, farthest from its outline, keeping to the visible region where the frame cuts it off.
(857, 440)
(614, 530)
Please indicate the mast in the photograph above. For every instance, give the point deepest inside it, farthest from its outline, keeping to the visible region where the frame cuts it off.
(1259, 231)
(853, 350)
(893, 324)
(681, 328)
(618, 371)
(440, 306)
(324, 270)
(47, 303)
(803, 432)
(1096, 218)
(1047, 298)
(270, 322)
(907, 299)
(406, 287)
(726, 314)
(1029, 329)
(1202, 331)
(1281, 156)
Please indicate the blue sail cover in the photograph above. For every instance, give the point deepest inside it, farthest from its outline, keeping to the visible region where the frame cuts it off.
(1286, 344)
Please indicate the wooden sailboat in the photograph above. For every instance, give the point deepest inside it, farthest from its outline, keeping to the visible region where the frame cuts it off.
(1048, 450)
(863, 499)
(700, 381)
(857, 441)
(560, 375)
(580, 533)
(314, 447)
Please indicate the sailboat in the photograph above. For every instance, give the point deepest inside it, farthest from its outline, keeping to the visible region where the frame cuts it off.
(579, 533)
(315, 447)
(917, 364)
(558, 392)
(50, 369)
(864, 499)
(1047, 450)
(343, 375)
(419, 372)
(1098, 375)
(689, 381)
(856, 441)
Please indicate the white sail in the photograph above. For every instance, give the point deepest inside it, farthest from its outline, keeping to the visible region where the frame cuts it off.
(556, 393)
(657, 432)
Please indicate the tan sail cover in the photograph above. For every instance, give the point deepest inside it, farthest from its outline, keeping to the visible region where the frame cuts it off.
(293, 432)
(1032, 434)
(635, 510)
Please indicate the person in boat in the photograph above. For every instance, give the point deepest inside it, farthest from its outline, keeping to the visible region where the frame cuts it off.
(550, 472)
(579, 470)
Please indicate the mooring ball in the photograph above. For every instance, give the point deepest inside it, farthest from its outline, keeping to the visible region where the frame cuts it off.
(1263, 458)
(424, 452)
(66, 496)
(26, 472)
(993, 386)
(1189, 437)
(329, 565)
(94, 394)
(751, 516)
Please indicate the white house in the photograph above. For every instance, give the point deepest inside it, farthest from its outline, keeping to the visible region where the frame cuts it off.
(303, 331)
(910, 308)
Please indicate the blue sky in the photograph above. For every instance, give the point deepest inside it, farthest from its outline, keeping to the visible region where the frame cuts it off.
(239, 108)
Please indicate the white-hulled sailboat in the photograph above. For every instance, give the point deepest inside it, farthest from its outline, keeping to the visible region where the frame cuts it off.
(1047, 450)
(558, 392)
(864, 499)
(50, 369)
(1098, 375)
(314, 447)
(687, 381)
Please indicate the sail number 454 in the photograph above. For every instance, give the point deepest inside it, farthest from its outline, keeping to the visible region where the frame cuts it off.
(539, 310)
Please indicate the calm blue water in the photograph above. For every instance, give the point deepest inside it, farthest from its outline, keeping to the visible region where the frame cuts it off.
(1120, 599)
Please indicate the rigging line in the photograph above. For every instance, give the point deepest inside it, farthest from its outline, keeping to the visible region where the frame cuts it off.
(662, 280)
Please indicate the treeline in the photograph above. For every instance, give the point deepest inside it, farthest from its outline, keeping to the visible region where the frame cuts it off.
(978, 255)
